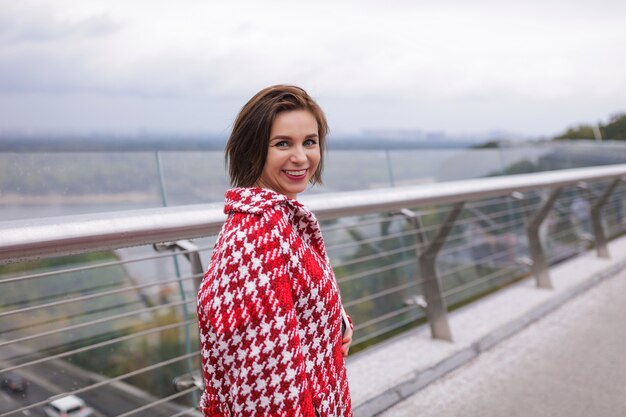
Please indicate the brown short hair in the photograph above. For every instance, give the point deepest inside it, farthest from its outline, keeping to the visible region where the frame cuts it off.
(247, 146)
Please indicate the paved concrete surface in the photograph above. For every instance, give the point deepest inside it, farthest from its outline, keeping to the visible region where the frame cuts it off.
(391, 372)
(569, 363)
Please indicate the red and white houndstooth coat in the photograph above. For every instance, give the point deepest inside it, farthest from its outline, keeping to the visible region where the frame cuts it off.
(270, 314)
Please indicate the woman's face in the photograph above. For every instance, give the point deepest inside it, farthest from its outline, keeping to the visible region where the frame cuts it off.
(293, 154)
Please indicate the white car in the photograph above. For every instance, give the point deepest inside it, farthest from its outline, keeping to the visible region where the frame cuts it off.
(68, 406)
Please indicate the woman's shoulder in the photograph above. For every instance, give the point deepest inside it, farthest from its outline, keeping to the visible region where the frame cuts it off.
(253, 208)
(265, 226)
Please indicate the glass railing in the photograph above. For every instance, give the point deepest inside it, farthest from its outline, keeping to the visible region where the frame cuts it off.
(42, 184)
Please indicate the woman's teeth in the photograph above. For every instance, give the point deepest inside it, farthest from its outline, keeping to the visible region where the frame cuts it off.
(296, 173)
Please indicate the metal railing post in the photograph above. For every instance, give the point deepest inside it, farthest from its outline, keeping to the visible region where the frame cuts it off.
(392, 181)
(418, 230)
(596, 220)
(539, 264)
(191, 252)
(193, 256)
(435, 306)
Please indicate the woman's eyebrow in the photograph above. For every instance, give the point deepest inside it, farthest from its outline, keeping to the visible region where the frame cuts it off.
(281, 137)
(287, 137)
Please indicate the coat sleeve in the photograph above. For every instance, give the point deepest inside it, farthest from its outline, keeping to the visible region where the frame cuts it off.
(251, 351)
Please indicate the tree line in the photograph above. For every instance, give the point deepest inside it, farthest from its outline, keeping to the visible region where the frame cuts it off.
(614, 129)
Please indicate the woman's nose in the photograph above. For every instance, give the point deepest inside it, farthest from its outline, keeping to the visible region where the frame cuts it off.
(298, 154)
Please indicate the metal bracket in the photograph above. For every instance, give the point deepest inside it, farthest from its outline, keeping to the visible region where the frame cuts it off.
(415, 220)
(190, 251)
(184, 382)
(417, 300)
(517, 195)
(524, 260)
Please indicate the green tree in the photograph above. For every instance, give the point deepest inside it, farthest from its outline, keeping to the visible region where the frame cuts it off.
(616, 128)
(581, 131)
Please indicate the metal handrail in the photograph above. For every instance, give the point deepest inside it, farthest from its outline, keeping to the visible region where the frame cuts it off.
(67, 235)
(57, 236)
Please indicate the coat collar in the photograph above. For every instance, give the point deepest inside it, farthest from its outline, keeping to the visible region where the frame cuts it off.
(256, 200)
(259, 200)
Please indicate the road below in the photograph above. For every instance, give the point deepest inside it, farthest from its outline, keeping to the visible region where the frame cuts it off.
(56, 376)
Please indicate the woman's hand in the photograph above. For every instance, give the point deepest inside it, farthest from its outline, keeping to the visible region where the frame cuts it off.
(346, 341)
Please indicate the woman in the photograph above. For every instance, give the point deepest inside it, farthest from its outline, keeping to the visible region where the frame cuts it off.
(269, 311)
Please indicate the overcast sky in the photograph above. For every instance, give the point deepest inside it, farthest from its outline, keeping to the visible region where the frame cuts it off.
(528, 67)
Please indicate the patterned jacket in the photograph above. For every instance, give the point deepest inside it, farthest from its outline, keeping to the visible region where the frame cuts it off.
(270, 314)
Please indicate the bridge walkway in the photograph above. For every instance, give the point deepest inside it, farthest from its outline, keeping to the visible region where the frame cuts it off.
(569, 363)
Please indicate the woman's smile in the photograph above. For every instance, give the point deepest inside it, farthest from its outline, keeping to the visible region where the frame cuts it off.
(296, 175)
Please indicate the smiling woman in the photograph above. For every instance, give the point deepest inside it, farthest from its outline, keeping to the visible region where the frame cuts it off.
(273, 332)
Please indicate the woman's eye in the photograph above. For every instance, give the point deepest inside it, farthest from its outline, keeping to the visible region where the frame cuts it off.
(281, 144)
(309, 142)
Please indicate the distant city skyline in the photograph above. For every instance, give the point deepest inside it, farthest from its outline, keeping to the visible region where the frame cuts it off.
(448, 67)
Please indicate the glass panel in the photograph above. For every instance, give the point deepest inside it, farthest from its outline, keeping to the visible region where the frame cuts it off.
(194, 177)
(34, 185)
(346, 170)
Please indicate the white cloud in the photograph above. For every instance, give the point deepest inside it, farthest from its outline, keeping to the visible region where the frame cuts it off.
(479, 53)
